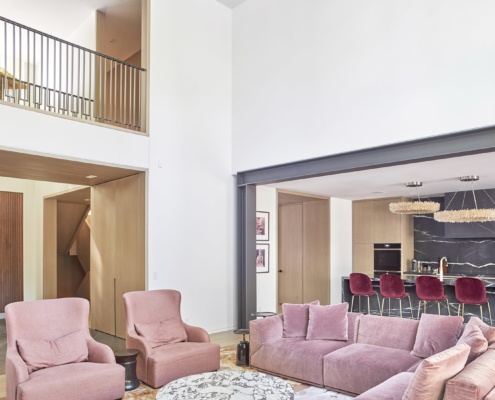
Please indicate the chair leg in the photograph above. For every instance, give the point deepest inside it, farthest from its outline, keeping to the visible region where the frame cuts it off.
(448, 306)
(352, 302)
(400, 307)
(419, 308)
(389, 306)
(459, 309)
(378, 301)
(481, 312)
(410, 307)
(359, 309)
(369, 309)
(438, 304)
(489, 313)
(383, 305)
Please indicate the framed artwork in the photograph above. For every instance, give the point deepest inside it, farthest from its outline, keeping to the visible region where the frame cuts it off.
(262, 257)
(262, 225)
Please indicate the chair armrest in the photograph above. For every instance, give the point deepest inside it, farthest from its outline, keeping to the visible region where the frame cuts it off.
(196, 334)
(134, 341)
(16, 372)
(264, 330)
(99, 353)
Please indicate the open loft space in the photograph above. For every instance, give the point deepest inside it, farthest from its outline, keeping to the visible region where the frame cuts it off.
(217, 193)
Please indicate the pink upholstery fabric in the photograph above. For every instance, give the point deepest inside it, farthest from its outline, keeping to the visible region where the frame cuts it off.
(360, 284)
(295, 358)
(153, 365)
(295, 317)
(397, 333)
(391, 389)
(429, 288)
(488, 331)
(428, 382)
(39, 354)
(358, 368)
(328, 322)
(473, 337)
(162, 332)
(470, 290)
(81, 381)
(48, 320)
(475, 381)
(436, 333)
(392, 286)
(175, 360)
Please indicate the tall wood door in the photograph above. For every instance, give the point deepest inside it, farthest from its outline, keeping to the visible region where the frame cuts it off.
(117, 249)
(11, 248)
(290, 254)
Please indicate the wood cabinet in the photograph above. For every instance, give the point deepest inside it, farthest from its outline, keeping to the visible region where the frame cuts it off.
(372, 222)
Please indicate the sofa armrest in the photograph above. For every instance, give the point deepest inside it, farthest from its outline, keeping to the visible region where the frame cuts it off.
(16, 372)
(134, 341)
(196, 334)
(264, 330)
(100, 353)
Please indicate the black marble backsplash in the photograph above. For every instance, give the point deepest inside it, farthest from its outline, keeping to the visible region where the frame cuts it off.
(466, 256)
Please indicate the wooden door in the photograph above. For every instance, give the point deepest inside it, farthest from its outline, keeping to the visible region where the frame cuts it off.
(316, 251)
(290, 254)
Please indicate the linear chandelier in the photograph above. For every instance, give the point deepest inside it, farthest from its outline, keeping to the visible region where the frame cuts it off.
(414, 207)
(466, 215)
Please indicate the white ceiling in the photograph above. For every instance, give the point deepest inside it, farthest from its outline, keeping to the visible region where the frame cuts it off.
(438, 177)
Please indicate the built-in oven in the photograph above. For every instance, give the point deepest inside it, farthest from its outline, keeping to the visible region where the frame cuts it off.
(387, 259)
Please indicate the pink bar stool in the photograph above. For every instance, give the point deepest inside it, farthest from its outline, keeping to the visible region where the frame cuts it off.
(430, 288)
(360, 285)
(471, 291)
(392, 287)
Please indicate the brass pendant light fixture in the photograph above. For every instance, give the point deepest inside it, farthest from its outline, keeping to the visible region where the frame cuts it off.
(466, 215)
(414, 207)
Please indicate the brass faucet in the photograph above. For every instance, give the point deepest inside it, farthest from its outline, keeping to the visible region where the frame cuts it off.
(440, 267)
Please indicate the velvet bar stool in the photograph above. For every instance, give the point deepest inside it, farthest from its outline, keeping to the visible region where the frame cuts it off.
(360, 285)
(430, 288)
(392, 287)
(471, 291)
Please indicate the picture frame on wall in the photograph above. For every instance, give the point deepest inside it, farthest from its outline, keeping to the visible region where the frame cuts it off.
(262, 225)
(262, 258)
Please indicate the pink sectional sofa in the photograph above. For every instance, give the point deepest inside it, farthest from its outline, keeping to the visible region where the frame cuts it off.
(380, 358)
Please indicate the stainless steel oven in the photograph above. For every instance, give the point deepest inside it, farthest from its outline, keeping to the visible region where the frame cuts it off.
(387, 259)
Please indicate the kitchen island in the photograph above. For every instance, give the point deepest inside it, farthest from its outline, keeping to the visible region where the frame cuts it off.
(410, 286)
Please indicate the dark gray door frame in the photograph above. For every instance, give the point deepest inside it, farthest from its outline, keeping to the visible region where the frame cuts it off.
(475, 141)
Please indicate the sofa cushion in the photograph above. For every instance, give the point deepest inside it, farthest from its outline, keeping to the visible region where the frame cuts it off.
(359, 367)
(473, 337)
(391, 389)
(487, 330)
(474, 381)
(436, 333)
(398, 333)
(328, 322)
(428, 382)
(162, 332)
(296, 319)
(295, 358)
(79, 381)
(38, 354)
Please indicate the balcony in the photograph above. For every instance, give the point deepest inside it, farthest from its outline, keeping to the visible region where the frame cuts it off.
(42, 72)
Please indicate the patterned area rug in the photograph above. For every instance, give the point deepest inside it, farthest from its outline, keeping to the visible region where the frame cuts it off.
(227, 361)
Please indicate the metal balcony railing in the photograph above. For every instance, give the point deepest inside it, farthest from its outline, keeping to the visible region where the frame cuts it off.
(44, 72)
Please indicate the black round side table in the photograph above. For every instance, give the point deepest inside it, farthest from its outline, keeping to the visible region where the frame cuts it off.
(242, 358)
(127, 358)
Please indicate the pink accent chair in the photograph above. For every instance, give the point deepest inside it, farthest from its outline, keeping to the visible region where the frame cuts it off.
(98, 378)
(360, 285)
(156, 366)
(392, 287)
(430, 288)
(471, 291)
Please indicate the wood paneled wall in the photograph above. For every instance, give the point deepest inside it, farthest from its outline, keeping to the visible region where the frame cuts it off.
(11, 248)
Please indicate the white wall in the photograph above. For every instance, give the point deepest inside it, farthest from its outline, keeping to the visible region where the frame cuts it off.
(319, 77)
(340, 245)
(266, 283)
(33, 193)
(191, 190)
(85, 34)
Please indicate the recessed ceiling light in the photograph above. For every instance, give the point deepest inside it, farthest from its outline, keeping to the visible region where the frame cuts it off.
(91, 176)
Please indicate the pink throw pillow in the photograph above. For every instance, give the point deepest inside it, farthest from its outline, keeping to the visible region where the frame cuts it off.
(487, 330)
(435, 334)
(474, 338)
(39, 354)
(163, 332)
(328, 322)
(428, 382)
(295, 317)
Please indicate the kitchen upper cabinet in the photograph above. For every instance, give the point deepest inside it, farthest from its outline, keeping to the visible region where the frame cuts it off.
(386, 225)
(362, 221)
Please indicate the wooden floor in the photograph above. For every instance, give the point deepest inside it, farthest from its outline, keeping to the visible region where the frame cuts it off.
(227, 338)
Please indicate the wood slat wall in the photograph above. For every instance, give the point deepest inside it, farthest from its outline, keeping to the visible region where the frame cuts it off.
(11, 248)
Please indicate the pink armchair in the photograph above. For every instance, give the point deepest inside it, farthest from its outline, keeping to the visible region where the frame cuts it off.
(51, 355)
(158, 312)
